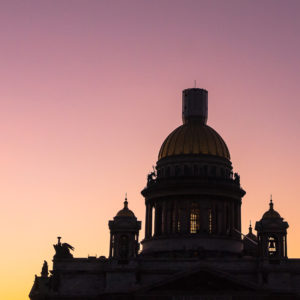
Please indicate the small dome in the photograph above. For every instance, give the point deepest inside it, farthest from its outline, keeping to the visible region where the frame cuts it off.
(194, 138)
(271, 213)
(125, 212)
(250, 234)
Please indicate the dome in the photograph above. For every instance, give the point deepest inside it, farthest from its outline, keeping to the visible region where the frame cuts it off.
(194, 138)
(271, 213)
(125, 212)
(250, 234)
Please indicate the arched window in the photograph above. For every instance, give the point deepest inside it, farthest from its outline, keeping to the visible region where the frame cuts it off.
(168, 173)
(177, 171)
(213, 171)
(204, 170)
(222, 171)
(153, 220)
(196, 170)
(272, 246)
(194, 220)
(209, 221)
(227, 220)
(124, 246)
(186, 170)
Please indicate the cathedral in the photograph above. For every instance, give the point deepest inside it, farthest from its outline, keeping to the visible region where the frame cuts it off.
(192, 248)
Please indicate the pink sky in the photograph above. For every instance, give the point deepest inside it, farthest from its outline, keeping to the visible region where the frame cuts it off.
(90, 89)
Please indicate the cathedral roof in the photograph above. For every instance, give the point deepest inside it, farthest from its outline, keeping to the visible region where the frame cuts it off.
(194, 138)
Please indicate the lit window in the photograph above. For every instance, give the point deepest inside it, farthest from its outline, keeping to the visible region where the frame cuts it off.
(209, 221)
(272, 246)
(194, 221)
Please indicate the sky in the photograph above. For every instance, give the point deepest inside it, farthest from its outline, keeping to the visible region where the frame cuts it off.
(89, 91)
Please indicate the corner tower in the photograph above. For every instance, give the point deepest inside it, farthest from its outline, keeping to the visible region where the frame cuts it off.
(193, 200)
(272, 235)
(124, 234)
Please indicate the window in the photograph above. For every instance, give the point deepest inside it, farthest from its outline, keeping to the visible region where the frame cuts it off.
(205, 170)
(194, 220)
(177, 171)
(186, 170)
(153, 221)
(272, 246)
(213, 171)
(168, 172)
(124, 246)
(196, 170)
(222, 173)
(178, 226)
(210, 221)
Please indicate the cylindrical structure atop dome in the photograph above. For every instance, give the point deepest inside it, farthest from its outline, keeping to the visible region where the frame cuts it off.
(194, 105)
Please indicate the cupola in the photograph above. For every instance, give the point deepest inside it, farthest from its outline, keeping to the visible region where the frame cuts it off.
(272, 235)
(124, 234)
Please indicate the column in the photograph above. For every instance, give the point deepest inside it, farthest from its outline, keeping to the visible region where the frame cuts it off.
(110, 246)
(150, 221)
(147, 221)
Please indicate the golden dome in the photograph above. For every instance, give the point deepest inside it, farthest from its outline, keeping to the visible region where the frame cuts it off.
(194, 138)
(125, 212)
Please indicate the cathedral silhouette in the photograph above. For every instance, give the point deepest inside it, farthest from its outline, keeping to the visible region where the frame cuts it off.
(193, 247)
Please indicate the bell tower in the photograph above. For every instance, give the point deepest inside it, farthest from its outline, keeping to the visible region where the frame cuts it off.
(272, 232)
(124, 234)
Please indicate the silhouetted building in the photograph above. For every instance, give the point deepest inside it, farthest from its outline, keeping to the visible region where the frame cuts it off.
(193, 246)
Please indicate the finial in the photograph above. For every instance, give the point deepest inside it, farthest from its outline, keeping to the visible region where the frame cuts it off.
(250, 227)
(58, 240)
(271, 203)
(126, 202)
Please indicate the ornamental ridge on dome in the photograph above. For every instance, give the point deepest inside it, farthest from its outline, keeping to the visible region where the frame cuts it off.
(125, 212)
(194, 137)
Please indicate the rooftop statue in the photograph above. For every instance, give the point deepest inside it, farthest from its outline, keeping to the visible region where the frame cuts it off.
(45, 272)
(62, 250)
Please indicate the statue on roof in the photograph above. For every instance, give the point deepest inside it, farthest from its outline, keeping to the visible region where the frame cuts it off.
(62, 250)
(45, 272)
(237, 178)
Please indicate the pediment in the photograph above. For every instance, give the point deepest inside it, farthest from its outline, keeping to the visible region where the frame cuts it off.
(201, 281)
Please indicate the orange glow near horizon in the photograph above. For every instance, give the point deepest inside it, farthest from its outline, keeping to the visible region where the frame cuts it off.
(90, 90)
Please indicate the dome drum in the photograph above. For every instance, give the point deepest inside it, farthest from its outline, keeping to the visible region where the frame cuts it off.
(195, 166)
(171, 187)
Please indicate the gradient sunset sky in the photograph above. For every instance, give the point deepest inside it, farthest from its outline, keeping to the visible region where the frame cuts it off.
(89, 90)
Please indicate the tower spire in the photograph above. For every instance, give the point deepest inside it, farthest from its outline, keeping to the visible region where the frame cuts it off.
(126, 202)
(250, 227)
(271, 203)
